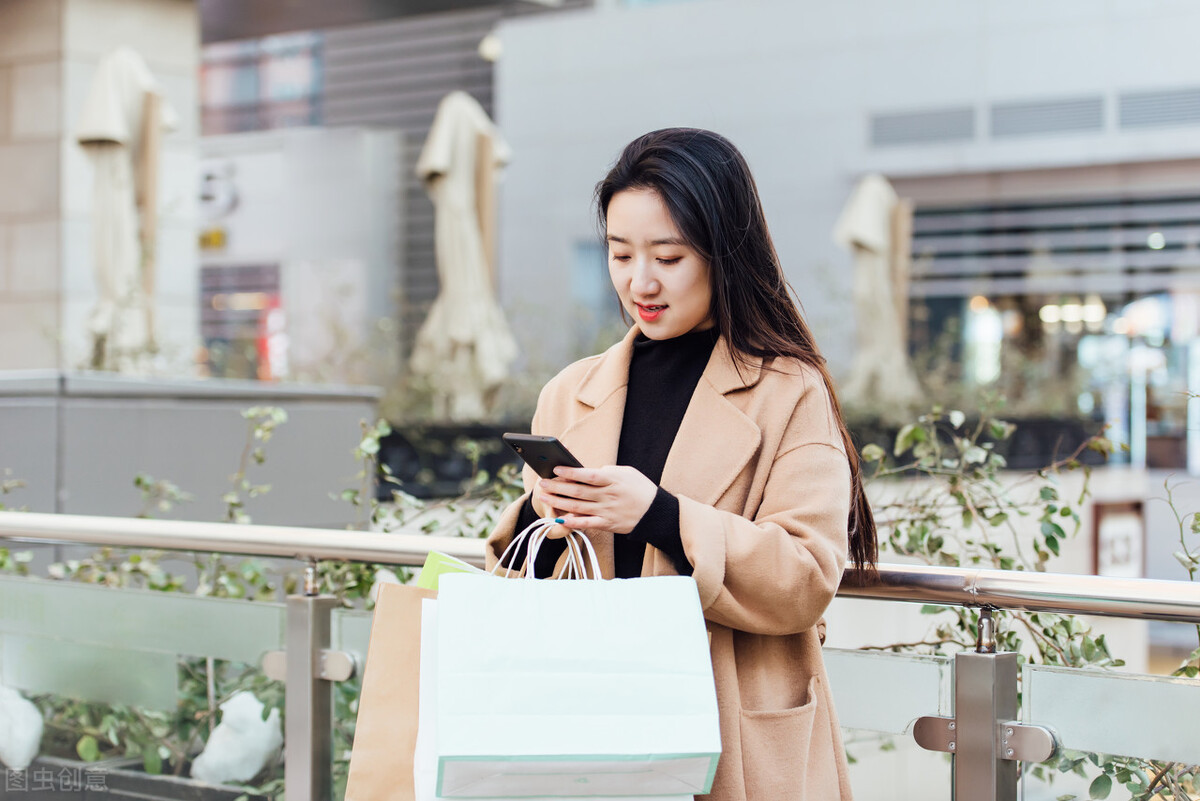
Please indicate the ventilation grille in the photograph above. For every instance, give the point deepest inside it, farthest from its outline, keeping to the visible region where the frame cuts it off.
(945, 125)
(1151, 109)
(1114, 245)
(1060, 116)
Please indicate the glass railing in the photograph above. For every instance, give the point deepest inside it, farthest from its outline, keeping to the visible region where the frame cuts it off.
(916, 726)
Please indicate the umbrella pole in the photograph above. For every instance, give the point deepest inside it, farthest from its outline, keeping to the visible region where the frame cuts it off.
(148, 203)
(485, 200)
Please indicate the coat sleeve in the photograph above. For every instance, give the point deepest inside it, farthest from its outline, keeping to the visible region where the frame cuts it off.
(777, 572)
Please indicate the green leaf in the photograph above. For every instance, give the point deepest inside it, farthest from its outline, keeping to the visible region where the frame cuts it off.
(1101, 786)
(1052, 544)
(87, 748)
(152, 762)
(975, 455)
(873, 453)
(1048, 494)
(999, 429)
(909, 436)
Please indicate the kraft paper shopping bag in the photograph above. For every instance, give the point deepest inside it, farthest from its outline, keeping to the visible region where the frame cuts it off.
(385, 736)
(573, 688)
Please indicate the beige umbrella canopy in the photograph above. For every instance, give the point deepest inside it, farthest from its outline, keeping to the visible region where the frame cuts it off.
(119, 129)
(464, 347)
(876, 226)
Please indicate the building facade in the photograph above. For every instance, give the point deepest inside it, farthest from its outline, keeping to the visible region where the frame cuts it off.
(1052, 151)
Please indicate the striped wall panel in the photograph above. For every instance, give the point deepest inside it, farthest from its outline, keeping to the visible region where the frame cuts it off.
(394, 74)
(1124, 244)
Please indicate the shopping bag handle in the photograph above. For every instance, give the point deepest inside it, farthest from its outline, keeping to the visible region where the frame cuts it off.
(580, 551)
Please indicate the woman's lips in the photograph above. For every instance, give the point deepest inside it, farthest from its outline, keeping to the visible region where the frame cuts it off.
(650, 313)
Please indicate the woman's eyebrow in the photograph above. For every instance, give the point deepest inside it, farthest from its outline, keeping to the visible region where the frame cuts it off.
(668, 241)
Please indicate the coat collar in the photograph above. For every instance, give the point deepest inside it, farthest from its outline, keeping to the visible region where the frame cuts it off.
(693, 468)
(611, 371)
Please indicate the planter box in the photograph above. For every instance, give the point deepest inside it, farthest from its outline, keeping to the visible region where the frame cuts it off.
(429, 462)
(1036, 442)
(52, 779)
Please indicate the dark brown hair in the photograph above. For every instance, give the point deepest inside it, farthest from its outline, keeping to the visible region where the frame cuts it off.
(713, 200)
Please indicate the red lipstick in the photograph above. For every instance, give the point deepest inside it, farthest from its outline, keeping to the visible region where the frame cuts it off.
(650, 313)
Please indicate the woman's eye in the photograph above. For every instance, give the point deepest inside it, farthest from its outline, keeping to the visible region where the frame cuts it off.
(619, 257)
(674, 260)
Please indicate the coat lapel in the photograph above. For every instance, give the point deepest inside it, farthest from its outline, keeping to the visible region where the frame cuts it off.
(716, 439)
(594, 436)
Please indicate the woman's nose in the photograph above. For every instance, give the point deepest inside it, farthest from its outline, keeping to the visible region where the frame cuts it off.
(644, 282)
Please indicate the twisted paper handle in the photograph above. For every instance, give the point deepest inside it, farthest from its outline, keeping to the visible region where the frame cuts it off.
(580, 551)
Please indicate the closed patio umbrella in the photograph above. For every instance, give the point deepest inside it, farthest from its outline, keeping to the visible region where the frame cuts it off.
(118, 129)
(874, 226)
(464, 346)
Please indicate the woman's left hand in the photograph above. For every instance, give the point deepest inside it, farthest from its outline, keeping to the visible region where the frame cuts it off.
(612, 498)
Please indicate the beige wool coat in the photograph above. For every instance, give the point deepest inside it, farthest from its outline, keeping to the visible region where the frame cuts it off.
(763, 483)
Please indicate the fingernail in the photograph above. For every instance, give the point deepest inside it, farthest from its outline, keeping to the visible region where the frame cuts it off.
(559, 520)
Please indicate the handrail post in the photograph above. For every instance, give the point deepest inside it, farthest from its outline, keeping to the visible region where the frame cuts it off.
(985, 698)
(984, 736)
(308, 767)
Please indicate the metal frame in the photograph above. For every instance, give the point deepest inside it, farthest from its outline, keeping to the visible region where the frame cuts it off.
(983, 736)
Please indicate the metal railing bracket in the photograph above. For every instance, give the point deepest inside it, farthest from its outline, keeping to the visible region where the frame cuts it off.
(333, 665)
(1025, 743)
(936, 734)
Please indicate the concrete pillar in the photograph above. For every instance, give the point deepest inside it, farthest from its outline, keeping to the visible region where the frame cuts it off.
(49, 50)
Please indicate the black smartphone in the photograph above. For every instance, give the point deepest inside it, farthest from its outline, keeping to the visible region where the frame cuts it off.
(543, 454)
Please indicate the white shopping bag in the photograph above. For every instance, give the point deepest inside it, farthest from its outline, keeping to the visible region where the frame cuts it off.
(425, 756)
(572, 688)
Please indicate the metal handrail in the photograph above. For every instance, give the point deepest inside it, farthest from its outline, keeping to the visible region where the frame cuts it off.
(1065, 593)
(288, 542)
(1146, 599)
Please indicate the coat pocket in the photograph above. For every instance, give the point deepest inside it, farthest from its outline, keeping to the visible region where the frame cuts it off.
(775, 749)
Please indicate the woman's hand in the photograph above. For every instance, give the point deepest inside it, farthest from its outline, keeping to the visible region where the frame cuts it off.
(612, 498)
(544, 511)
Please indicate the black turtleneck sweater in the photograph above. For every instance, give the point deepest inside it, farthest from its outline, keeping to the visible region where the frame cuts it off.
(662, 377)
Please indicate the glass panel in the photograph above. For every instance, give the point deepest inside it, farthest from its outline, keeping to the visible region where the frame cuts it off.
(350, 631)
(1153, 717)
(141, 620)
(40, 665)
(886, 692)
(895, 768)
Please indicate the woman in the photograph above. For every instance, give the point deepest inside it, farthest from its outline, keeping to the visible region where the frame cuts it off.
(714, 447)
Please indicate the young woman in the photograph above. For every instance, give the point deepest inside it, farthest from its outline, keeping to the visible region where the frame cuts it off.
(714, 447)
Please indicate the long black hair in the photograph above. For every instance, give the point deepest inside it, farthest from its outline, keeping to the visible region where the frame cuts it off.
(713, 201)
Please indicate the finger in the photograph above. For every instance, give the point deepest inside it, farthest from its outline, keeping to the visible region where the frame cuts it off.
(559, 531)
(565, 504)
(567, 489)
(583, 522)
(580, 475)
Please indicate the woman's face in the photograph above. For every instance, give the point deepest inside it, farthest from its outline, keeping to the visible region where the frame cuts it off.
(661, 281)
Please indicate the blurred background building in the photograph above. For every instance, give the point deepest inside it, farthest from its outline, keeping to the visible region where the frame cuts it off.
(1050, 152)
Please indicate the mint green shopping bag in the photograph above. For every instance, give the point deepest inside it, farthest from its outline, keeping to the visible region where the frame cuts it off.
(573, 688)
